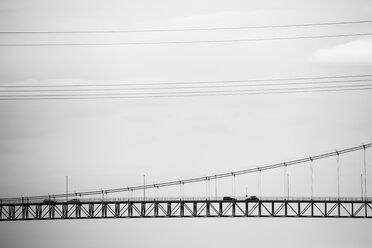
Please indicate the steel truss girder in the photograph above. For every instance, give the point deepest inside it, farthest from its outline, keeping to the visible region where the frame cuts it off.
(200, 208)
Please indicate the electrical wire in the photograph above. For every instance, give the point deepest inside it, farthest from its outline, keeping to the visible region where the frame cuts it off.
(176, 87)
(189, 29)
(180, 93)
(193, 82)
(182, 42)
(196, 94)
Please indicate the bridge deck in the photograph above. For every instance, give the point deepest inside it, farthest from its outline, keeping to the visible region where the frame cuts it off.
(184, 208)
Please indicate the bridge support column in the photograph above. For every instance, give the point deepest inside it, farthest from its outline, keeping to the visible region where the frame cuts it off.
(51, 211)
(64, 211)
(24, 212)
(312, 209)
(272, 209)
(365, 209)
(91, 210)
(11, 212)
(182, 209)
(169, 209)
(207, 209)
(38, 211)
(325, 210)
(195, 209)
(78, 210)
(143, 209)
(130, 209)
(299, 209)
(1, 212)
(233, 208)
(117, 210)
(285, 208)
(246, 212)
(156, 209)
(259, 208)
(104, 210)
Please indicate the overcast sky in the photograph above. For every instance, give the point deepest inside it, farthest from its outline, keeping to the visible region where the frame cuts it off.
(113, 142)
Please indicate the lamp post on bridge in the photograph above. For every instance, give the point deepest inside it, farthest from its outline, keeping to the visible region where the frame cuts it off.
(288, 185)
(144, 187)
(66, 188)
(365, 171)
(361, 185)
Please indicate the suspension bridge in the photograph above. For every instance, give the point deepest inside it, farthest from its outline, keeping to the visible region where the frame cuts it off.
(97, 204)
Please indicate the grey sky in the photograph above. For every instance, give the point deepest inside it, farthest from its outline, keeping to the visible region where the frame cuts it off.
(112, 143)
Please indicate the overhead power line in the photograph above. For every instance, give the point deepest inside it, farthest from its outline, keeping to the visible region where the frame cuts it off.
(200, 86)
(189, 29)
(186, 94)
(189, 89)
(353, 78)
(182, 95)
(201, 179)
(183, 42)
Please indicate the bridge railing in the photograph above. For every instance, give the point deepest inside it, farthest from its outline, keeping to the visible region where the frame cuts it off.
(151, 199)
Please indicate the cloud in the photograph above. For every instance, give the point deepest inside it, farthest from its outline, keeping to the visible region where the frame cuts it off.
(357, 52)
